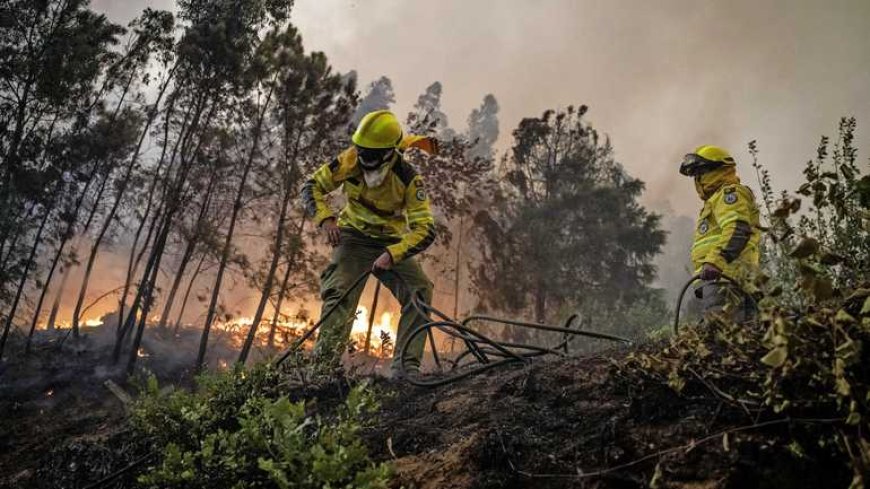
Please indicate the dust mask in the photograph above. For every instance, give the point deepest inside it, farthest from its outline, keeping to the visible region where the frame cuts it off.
(374, 178)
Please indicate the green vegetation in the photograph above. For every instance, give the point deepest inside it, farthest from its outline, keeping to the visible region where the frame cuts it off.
(806, 363)
(238, 430)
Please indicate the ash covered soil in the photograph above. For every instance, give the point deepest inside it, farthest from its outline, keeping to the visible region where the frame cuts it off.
(580, 423)
(574, 422)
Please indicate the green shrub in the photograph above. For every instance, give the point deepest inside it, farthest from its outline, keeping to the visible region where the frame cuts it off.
(237, 431)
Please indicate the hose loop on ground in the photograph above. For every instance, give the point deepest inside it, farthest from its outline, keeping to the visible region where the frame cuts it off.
(481, 353)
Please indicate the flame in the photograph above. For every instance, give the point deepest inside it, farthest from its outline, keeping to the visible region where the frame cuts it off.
(361, 326)
(94, 322)
(49, 393)
(141, 353)
(238, 328)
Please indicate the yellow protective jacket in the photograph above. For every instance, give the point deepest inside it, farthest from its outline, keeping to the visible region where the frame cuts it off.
(398, 211)
(727, 234)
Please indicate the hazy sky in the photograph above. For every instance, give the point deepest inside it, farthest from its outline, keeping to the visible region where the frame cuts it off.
(660, 77)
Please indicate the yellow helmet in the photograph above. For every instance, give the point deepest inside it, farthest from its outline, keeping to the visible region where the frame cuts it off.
(704, 159)
(378, 130)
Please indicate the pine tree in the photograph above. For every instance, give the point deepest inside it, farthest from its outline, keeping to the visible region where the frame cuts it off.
(379, 96)
(483, 129)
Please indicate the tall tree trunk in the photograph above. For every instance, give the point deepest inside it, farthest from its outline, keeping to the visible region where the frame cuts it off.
(173, 203)
(133, 262)
(225, 253)
(270, 279)
(188, 252)
(540, 304)
(283, 290)
(122, 188)
(37, 240)
(146, 293)
(273, 325)
(68, 235)
(55, 306)
(187, 292)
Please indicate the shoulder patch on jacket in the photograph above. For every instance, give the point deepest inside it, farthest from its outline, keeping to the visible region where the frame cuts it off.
(730, 196)
(404, 171)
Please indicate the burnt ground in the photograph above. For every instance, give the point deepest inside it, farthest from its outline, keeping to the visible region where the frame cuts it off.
(577, 422)
(580, 423)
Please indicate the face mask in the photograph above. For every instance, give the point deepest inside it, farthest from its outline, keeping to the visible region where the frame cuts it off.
(374, 178)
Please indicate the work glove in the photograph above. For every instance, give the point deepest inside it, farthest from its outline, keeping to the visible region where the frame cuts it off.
(709, 273)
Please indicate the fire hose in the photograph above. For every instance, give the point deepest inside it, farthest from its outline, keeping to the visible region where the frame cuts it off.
(695, 278)
(482, 352)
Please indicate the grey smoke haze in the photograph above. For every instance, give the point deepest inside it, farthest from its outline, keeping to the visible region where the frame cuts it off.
(660, 77)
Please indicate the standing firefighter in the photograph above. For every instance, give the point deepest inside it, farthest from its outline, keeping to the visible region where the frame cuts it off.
(727, 232)
(386, 221)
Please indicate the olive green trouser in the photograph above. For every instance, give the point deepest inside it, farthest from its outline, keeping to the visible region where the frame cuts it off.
(714, 297)
(354, 255)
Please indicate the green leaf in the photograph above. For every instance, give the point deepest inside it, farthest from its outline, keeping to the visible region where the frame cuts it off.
(844, 317)
(775, 358)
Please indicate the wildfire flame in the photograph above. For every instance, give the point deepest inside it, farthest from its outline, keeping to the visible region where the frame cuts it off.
(238, 329)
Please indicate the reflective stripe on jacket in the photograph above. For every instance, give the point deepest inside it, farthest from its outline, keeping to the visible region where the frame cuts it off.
(727, 233)
(397, 211)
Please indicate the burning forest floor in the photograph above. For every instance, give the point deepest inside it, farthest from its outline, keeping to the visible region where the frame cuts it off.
(712, 407)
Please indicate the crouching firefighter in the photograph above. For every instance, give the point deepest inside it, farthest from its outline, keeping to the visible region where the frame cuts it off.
(727, 233)
(386, 221)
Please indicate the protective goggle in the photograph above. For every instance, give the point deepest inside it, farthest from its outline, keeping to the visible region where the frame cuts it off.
(694, 165)
(374, 158)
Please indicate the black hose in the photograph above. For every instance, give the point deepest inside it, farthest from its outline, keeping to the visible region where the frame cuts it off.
(301, 340)
(486, 351)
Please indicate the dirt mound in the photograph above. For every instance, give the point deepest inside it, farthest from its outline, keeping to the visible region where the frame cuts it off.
(713, 407)
(582, 423)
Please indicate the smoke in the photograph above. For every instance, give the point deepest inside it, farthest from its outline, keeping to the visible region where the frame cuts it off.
(660, 77)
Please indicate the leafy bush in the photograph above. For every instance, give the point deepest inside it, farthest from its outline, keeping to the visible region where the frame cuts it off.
(238, 431)
(805, 363)
(822, 245)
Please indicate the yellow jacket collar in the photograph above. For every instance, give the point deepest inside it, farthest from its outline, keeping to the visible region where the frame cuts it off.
(708, 183)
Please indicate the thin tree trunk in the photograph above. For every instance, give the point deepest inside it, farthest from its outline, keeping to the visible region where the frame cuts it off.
(187, 292)
(55, 306)
(68, 233)
(188, 252)
(37, 240)
(146, 291)
(283, 290)
(270, 279)
(122, 188)
(237, 207)
(172, 197)
(131, 265)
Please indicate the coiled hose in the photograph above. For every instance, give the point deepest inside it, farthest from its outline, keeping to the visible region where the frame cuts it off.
(485, 351)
